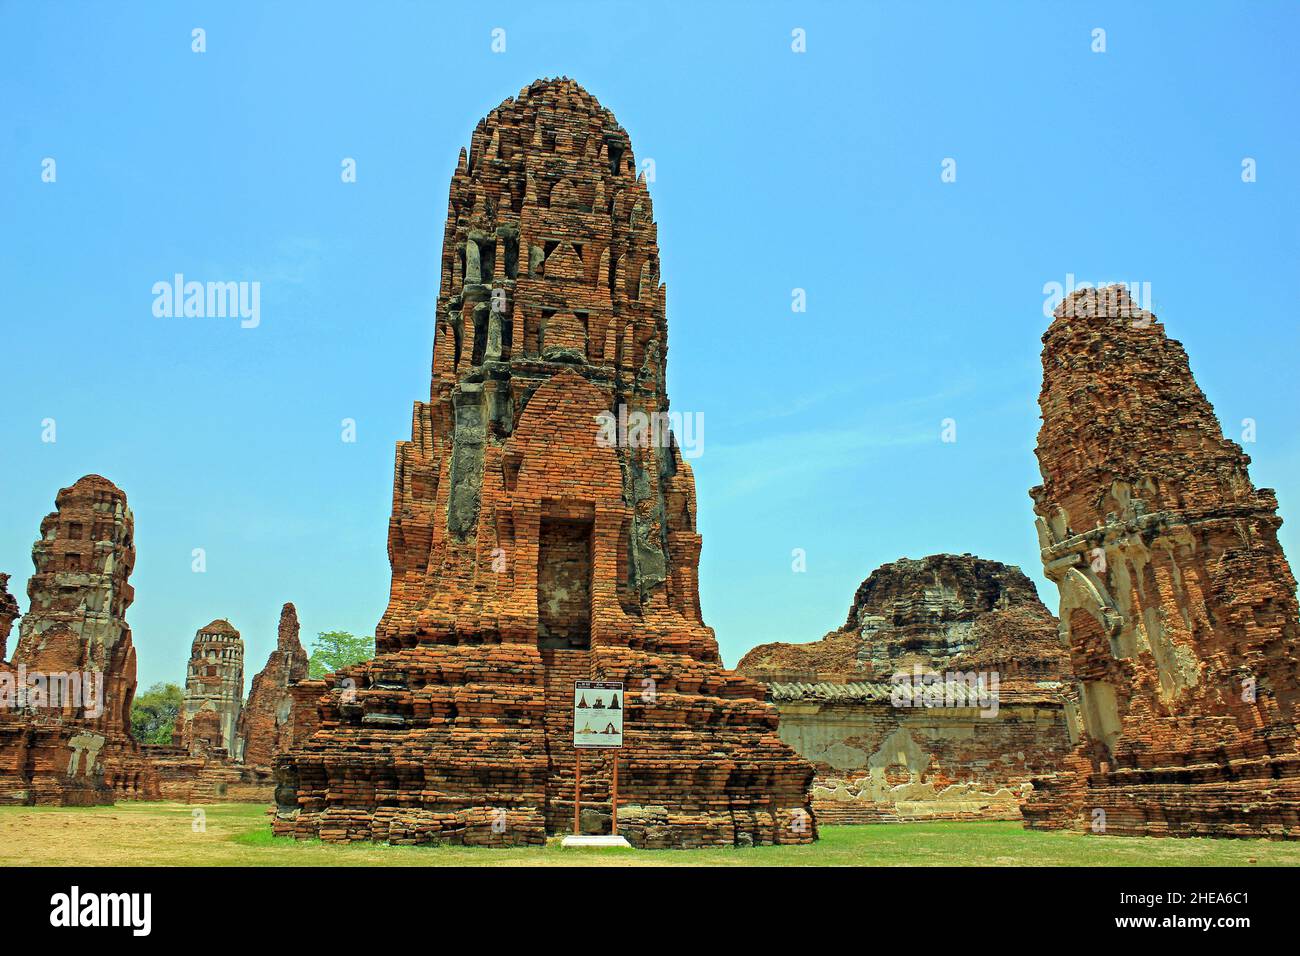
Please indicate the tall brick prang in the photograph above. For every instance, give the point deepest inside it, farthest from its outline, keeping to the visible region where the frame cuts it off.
(529, 550)
(266, 722)
(1176, 602)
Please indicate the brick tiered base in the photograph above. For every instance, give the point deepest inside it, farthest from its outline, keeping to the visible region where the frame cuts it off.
(473, 745)
(1243, 797)
(34, 766)
(434, 744)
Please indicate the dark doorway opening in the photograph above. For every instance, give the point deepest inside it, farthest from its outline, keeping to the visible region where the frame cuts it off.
(564, 584)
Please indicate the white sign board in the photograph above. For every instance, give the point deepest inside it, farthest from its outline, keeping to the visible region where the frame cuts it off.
(597, 713)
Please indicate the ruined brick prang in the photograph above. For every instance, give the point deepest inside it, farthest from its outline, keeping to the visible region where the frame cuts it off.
(8, 614)
(266, 722)
(1176, 603)
(71, 742)
(943, 612)
(214, 691)
(869, 704)
(527, 552)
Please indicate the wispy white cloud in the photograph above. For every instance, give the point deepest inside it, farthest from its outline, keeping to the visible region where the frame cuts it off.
(808, 400)
(296, 259)
(796, 459)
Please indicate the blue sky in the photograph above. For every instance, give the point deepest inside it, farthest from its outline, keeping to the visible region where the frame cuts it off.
(774, 170)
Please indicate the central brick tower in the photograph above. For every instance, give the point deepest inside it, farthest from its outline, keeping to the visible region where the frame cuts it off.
(529, 550)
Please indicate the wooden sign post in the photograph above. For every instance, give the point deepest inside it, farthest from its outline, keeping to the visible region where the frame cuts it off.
(577, 792)
(598, 708)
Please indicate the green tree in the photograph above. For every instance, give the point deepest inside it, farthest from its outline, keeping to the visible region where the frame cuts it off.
(153, 714)
(334, 650)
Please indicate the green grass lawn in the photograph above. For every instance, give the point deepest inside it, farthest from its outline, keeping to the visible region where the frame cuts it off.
(239, 834)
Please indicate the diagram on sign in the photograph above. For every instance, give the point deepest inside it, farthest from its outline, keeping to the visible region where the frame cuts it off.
(597, 713)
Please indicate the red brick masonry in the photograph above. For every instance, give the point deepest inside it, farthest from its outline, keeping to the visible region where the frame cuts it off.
(1176, 602)
(76, 754)
(885, 757)
(526, 554)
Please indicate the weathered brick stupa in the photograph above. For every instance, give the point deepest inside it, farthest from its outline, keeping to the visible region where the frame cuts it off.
(69, 742)
(527, 553)
(891, 750)
(214, 691)
(266, 721)
(1176, 602)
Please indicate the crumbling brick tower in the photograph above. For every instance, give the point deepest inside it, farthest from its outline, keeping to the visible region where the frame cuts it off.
(214, 690)
(266, 721)
(526, 553)
(1176, 602)
(78, 749)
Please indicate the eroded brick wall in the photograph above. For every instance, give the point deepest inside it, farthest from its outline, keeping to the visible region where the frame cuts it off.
(877, 763)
